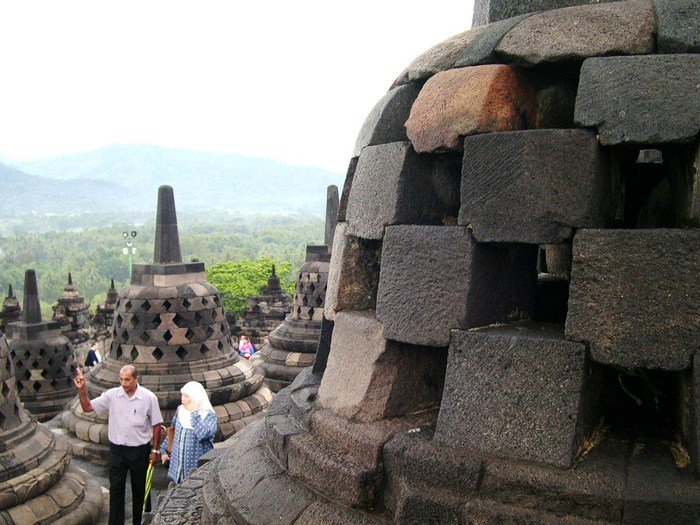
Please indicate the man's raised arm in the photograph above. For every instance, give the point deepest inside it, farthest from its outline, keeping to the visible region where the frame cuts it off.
(79, 382)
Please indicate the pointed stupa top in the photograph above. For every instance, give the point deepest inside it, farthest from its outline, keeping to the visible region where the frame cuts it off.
(9, 291)
(32, 308)
(167, 249)
(111, 285)
(70, 278)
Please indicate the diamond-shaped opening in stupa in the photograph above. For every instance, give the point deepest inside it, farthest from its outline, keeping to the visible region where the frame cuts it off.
(181, 353)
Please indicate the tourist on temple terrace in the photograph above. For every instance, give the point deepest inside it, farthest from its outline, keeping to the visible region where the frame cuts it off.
(134, 434)
(195, 425)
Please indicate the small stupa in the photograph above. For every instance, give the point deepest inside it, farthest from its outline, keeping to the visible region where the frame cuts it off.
(104, 314)
(293, 344)
(265, 312)
(37, 482)
(73, 314)
(43, 357)
(171, 325)
(11, 309)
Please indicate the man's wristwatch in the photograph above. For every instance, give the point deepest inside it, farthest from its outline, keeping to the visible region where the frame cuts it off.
(154, 451)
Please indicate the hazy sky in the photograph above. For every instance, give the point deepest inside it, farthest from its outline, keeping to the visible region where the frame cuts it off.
(286, 80)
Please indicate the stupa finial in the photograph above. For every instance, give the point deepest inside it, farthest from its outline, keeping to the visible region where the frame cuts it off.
(9, 290)
(167, 248)
(332, 205)
(32, 308)
(70, 278)
(111, 286)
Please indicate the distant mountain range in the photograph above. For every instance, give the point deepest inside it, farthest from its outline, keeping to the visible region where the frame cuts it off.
(126, 178)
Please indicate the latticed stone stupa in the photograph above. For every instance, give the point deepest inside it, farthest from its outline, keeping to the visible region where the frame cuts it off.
(462, 385)
(170, 324)
(73, 314)
(43, 357)
(293, 344)
(37, 482)
(265, 312)
(11, 309)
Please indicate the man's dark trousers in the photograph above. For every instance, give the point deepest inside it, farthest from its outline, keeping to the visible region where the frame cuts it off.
(133, 460)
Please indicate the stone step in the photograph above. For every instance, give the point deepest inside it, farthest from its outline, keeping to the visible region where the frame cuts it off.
(479, 511)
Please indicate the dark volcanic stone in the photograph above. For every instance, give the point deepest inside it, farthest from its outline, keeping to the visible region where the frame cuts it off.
(353, 276)
(649, 99)
(394, 185)
(347, 186)
(678, 26)
(452, 281)
(391, 379)
(480, 50)
(486, 11)
(324, 348)
(657, 491)
(534, 186)
(519, 392)
(167, 247)
(575, 33)
(635, 296)
(385, 123)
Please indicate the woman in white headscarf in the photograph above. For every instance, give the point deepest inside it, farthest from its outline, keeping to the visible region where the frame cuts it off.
(195, 425)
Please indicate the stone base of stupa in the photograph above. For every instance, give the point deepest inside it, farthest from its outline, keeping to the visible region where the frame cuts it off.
(280, 367)
(393, 471)
(52, 491)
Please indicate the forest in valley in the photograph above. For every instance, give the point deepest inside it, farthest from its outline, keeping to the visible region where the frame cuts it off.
(238, 252)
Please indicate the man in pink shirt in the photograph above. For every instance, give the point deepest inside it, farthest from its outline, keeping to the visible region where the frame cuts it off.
(134, 437)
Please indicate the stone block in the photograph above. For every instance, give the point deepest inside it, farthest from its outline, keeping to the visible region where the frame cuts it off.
(678, 24)
(682, 163)
(347, 185)
(544, 185)
(658, 491)
(332, 514)
(385, 123)
(689, 413)
(481, 50)
(470, 100)
(575, 33)
(651, 99)
(519, 392)
(593, 490)
(354, 273)
(394, 185)
(370, 378)
(486, 11)
(324, 348)
(440, 57)
(457, 283)
(635, 296)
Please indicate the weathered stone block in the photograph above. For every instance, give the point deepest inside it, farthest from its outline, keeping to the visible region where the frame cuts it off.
(486, 11)
(471, 100)
(354, 274)
(689, 413)
(635, 296)
(649, 99)
(481, 50)
(369, 378)
(657, 491)
(347, 185)
(545, 184)
(519, 392)
(385, 123)
(678, 26)
(682, 163)
(440, 57)
(575, 33)
(394, 185)
(455, 281)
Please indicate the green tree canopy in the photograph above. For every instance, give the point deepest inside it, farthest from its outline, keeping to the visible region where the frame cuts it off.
(238, 280)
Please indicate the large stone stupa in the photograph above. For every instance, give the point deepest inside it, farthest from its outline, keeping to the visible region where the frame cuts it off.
(43, 357)
(462, 387)
(170, 324)
(37, 482)
(293, 343)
